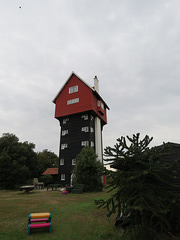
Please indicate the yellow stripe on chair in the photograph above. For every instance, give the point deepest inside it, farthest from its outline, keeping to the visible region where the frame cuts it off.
(40, 215)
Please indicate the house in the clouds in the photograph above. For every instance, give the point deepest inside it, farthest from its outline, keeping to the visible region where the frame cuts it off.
(82, 114)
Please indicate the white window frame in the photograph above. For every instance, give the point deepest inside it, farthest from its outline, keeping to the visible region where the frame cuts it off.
(61, 163)
(98, 103)
(73, 161)
(73, 89)
(92, 144)
(85, 129)
(72, 101)
(92, 129)
(85, 116)
(64, 145)
(63, 177)
(102, 105)
(65, 120)
(64, 132)
(85, 143)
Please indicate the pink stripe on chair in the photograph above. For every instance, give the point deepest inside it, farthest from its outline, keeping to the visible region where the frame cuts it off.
(39, 220)
(40, 225)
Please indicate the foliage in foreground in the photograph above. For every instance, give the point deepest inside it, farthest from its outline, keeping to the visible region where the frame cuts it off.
(88, 170)
(145, 198)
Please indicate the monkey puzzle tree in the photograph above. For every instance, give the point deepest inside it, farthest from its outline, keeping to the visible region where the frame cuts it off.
(142, 196)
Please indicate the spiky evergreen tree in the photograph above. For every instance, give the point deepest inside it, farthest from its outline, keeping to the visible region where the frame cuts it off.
(142, 195)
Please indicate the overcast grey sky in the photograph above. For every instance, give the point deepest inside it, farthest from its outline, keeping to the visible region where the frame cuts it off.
(133, 46)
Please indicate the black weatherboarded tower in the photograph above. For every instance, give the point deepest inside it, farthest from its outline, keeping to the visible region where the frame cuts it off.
(82, 114)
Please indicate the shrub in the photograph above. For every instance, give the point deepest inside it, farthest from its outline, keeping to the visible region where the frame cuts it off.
(47, 179)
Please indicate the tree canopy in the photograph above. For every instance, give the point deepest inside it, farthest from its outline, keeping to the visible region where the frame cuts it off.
(18, 161)
(88, 170)
(142, 196)
(46, 159)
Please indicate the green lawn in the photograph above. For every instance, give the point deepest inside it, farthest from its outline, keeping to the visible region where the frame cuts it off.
(74, 216)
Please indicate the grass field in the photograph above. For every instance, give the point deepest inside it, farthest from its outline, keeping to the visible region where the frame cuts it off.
(74, 216)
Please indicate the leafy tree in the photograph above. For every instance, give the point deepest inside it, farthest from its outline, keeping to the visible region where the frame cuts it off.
(18, 161)
(46, 179)
(142, 196)
(46, 159)
(88, 170)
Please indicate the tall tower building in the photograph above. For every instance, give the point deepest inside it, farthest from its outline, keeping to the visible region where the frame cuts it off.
(82, 114)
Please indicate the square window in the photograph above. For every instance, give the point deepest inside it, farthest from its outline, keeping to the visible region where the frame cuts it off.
(64, 132)
(85, 143)
(64, 145)
(73, 161)
(73, 89)
(85, 129)
(65, 120)
(92, 144)
(61, 162)
(62, 176)
(85, 116)
(92, 129)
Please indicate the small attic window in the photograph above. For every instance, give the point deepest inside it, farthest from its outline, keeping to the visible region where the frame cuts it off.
(100, 107)
(73, 89)
(72, 101)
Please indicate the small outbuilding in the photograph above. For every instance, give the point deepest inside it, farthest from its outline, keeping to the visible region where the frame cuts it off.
(53, 172)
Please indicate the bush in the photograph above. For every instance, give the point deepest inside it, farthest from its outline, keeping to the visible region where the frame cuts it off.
(88, 170)
(47, 179)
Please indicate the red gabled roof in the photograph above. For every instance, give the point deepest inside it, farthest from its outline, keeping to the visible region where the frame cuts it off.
(87, 99)
(92, 88)
(51, 171)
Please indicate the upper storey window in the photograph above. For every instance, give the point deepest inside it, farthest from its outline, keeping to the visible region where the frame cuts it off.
(73, 89)
(64, 145)
(100, 106)
(72, 101)
(65, 120)
(85, 116)
(85, 129)
(64, 132)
